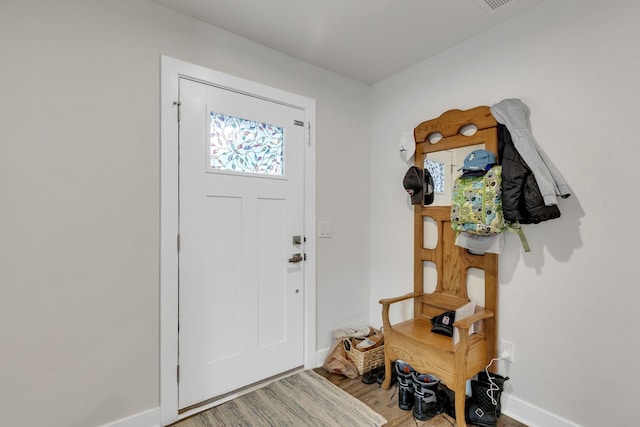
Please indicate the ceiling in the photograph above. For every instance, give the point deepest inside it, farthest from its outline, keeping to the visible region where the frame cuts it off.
(366, 40)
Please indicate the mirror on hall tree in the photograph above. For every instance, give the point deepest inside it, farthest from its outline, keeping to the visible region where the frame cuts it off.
(444, 169)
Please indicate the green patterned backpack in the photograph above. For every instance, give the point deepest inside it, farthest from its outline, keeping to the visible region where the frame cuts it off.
(476, 205)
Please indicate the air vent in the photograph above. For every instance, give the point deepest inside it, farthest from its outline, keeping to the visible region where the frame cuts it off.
(492, 6)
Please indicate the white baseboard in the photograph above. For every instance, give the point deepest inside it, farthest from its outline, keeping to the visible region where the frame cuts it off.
(532, 415)
(320, 356)
(150, 418)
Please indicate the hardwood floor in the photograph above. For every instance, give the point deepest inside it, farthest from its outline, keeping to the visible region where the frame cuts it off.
(385, 402)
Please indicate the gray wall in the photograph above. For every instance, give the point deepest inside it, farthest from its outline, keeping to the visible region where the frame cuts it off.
(79, 184)
(569, 306)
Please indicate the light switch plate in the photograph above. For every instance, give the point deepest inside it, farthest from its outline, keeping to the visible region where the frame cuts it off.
(324, 230)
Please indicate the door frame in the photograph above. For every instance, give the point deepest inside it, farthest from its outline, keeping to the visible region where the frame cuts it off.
(171, 70)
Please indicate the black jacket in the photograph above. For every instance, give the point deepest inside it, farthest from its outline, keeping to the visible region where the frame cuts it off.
(521, 197)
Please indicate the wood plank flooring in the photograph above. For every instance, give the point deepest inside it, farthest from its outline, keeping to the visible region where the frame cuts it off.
(385, 402)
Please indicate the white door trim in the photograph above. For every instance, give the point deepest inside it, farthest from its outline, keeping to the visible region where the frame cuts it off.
(170, 71)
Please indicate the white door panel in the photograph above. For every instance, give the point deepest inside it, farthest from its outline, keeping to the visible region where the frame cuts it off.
(241, 300)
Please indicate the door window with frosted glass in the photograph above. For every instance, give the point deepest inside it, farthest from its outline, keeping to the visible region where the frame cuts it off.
(245, 146)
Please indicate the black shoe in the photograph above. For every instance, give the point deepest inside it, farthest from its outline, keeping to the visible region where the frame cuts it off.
(394, 376)
(372, 376)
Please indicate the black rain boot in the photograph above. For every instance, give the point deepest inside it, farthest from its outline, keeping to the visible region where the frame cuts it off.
(448, 397)
(482, 405)
(427, 404)
(499, 381)
(405, 385)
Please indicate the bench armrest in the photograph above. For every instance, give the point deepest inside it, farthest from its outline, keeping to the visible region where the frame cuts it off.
(470, 320)
(387, 302)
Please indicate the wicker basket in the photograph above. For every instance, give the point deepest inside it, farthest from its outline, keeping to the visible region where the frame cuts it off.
(367, 359)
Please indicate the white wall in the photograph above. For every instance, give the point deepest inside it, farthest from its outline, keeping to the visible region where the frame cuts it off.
(569, 305)
(79, 184)
(79, 178)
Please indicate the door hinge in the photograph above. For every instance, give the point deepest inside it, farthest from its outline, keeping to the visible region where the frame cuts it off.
(178, 373)
(177, 104)
(178, 242)
(309, 134)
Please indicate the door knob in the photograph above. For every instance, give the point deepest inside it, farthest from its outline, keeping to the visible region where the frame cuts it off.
(297, 258)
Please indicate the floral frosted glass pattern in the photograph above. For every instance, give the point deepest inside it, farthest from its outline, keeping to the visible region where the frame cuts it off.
(242, 145)
(436, 169)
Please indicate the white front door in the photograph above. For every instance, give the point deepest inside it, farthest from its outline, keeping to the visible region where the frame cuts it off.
(241, 199)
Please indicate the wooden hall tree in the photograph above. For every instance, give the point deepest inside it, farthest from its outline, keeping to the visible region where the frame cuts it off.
(412, 340)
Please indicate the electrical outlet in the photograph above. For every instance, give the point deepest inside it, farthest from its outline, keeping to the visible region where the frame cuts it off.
(507, 350)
